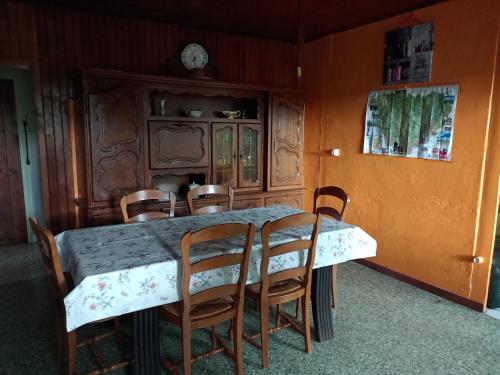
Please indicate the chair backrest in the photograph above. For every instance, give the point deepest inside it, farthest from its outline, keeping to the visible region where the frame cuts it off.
(145, 195)
(210, 190)
(331, 191)
(216, 233)
(289, 222)
(48, 249)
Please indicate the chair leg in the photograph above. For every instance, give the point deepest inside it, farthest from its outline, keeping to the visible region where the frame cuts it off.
(60, 344)
(264, 333)
(306, 324)
(118, 331)
(297, 308)
(277, 322)
(238, 345)
(214, 339)
(186, 347)
(334, 285)
(71, 350)
(230, 330)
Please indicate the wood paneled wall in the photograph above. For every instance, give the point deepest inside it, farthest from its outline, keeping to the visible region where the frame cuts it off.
(67, 40)
(16, 33)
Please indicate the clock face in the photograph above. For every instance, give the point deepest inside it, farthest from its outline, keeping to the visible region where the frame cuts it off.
(194, 56)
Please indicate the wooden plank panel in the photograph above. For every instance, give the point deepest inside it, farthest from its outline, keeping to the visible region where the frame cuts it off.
(64, 83)
(6, 233)
(49, 151)
(21, 31)
(59, 167)
(14, 33)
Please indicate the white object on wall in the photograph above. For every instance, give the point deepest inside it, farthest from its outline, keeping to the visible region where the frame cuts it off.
(335, 151)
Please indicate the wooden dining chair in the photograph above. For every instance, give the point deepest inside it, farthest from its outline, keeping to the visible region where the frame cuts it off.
(66, 341)
(335, 192)
(336, 213)
(210, 190)
(215, 305)
(287, 285)
(146, 195)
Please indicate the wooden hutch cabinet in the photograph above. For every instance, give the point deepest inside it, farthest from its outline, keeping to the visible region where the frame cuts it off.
(166, 133)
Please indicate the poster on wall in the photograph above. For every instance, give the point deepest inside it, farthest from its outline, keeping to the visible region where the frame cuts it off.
(408, 54)
(415, 123)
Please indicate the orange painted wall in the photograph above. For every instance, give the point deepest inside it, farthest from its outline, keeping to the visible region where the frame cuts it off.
(425, 215)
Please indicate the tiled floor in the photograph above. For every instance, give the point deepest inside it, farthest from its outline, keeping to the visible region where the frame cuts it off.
(20, 262)
(382, 326)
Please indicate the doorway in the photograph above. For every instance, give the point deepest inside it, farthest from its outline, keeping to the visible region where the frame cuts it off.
(12, 219)
(493, 303)
(20, 179)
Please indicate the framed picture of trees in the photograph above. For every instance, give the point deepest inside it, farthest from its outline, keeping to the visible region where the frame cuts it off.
(415, 122)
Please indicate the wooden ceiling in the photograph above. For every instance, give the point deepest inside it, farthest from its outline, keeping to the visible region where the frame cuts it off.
(274, 19)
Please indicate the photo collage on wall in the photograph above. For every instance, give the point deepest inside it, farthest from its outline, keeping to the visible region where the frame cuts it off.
(408, 54)
(416, 123)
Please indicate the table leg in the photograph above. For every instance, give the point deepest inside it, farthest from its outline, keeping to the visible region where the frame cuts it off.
(321, 294)
(334, 285)
(146, 342)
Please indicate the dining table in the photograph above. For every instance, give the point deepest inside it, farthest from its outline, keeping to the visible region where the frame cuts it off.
(133, 268)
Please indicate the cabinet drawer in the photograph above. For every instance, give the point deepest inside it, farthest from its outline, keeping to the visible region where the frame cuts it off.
(295, 201)
(248, 203)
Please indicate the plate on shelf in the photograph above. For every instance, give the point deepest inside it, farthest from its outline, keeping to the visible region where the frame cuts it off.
(193, 112)
(231, 114)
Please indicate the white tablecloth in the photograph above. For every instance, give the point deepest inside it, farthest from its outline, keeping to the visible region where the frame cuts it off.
(124, 268)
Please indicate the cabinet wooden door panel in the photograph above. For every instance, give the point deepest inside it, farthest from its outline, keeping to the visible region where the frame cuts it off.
(295, 201)
(286, 142)
(115, 131)
(178, 144)
(224, 149)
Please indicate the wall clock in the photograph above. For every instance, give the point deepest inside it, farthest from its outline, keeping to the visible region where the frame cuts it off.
(194, 56)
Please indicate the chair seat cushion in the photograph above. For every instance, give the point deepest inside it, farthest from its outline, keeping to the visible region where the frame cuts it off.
(202, 310)
(279, 288)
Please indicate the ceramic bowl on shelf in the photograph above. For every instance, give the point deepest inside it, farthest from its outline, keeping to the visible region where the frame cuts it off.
(193, 112)
(231, 114)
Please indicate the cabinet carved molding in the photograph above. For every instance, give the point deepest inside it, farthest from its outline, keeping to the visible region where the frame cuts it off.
(178, 145)
(112, 111)
(288, 125)
(287, 166)
(118, 175)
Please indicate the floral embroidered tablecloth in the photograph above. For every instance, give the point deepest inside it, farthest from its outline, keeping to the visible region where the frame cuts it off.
(124, 268)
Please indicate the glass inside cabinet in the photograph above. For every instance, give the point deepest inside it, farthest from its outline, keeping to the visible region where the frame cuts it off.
(224, 154)
(250, 155)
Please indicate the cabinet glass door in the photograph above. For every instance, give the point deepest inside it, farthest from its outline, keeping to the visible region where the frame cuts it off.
(224, 154)
(250, 166)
